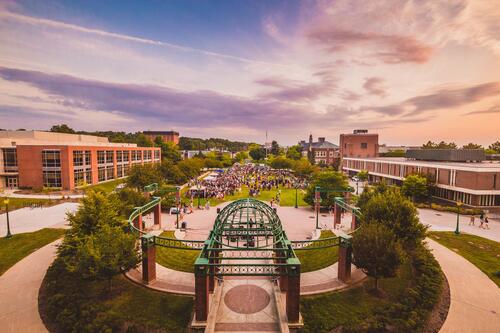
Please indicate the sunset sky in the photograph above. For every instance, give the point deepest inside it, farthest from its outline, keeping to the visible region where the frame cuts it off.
(410, 70)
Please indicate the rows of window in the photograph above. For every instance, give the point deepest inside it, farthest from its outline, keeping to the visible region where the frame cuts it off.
(52, 178)
(105, 173)
(81, 157)
(122, 156)
(82, 177)
(10, 159)
(51, 168)
(51, 158)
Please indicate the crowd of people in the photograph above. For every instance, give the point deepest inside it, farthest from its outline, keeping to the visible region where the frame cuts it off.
(483, 221)
(254, 176)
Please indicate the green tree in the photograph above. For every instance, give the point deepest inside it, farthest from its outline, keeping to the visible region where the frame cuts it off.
(472, 146)
(495, 146)
(191, 167)
(441, 145)
(362, 175)
(142, 175)
(143, 141)
(392, 209)
(275, 148)
(294, 152)
(415, 187)
(63, 128)
(327, 180)
(129, 199)
(171, 173)
(241, 156)
(376, 251)
(170, 151)
(105, 254)
(281, 162)
(370, 191)
(304, 168)
(257, 153)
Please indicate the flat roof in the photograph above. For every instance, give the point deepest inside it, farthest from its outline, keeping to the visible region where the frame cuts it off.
(490, 166)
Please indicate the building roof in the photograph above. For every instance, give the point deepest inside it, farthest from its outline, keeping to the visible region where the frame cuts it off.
(17, 138)
(485, 166)
(319, 144)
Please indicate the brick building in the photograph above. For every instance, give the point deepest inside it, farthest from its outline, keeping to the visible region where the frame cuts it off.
(321, 152)
(36, 159)
(359, 144)
(474, 184)
(168, 136)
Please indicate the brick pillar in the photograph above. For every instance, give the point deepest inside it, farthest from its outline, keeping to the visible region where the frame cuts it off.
(157, 214)
(353, 221)
(337, 215)
(211, 276)
(138, 222)
(148, 258)
(293, 294)
(344, 262)
(201, 292)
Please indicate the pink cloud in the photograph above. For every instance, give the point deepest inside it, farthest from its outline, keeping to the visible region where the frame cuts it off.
(375, 86)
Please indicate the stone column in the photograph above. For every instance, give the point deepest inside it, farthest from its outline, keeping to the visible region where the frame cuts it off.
(148, 258)
(345, 256)
(201, 292)
(157, 215)
(211, 276)
(337, 215)
(293, 294)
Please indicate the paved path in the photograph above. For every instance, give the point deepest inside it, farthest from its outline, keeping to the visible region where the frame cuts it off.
(475, 299)
(19, 292)
(444, 221)
(28, 220)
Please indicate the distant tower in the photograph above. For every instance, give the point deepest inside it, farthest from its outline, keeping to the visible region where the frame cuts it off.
(310, 138)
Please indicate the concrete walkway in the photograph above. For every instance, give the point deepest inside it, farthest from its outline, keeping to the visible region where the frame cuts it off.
(167, 280)
(19, 288)
(33, 219)
(475, 299)
(326, 279)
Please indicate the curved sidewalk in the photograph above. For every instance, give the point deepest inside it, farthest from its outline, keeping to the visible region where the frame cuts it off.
(475, 299)
(19, 292)
(167, 280)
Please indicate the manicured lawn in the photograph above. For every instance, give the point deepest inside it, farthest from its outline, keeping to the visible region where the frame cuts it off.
(19, 246)
(105, 187)
(180, 260)
(16, 203)
(312, 260)
(150, 308)
(287, 197)
(482, 252)
(324, 313)
(68, 303)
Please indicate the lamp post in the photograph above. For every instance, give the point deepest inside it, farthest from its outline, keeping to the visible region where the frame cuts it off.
(6, 202)
(198, 193)
(457, 230)
(356, 187)
(296, 189)
(177, 203)
(317, 200)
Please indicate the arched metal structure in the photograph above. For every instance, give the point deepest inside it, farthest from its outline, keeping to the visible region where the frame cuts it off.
(248, 239)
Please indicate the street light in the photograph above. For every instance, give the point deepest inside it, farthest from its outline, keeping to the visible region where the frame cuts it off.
(198, 193)
(177, 203)
(6, 202)
(317, 200)
(356, 187)
(457, 231)
(296, 188)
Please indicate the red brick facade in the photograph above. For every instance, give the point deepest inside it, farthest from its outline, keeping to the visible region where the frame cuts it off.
(31, 169)
(359, 145)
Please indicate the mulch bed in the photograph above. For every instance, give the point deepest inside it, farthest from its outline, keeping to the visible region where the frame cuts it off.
(440, 311)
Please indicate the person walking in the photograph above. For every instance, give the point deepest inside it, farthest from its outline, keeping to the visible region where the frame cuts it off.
(472, 219)
(481, 219)
(486, 226)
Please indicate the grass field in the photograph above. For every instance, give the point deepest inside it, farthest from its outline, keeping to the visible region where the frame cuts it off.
(287, 197)
(19, 246)
(312, 260)
(106, 187)
(180, 260)
(482, 252)
(68, 303)
(323, 313)
(16, 203)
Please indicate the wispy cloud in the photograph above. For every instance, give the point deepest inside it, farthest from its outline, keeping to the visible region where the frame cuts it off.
(375, 86)
(493, 110)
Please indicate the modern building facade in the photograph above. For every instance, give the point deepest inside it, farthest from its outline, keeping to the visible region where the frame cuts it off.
(474, 184)
(168, 136)
(321, 152)
(359, 144)
(36, 159)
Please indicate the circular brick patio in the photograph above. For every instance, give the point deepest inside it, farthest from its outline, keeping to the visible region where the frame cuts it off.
(246, 299)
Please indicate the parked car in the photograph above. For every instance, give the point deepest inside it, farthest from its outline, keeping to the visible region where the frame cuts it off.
(174, 211)
(355, 178)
